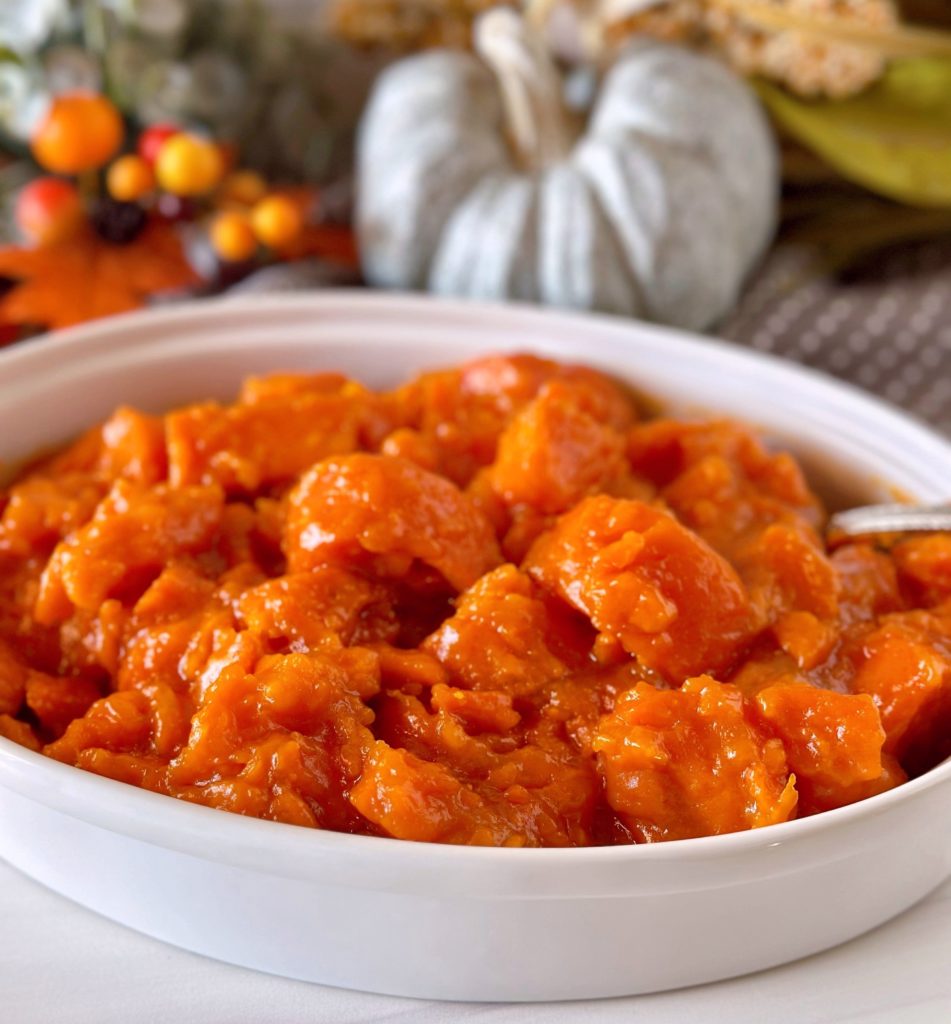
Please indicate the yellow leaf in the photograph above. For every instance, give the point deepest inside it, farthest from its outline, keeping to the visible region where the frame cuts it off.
(894, 139)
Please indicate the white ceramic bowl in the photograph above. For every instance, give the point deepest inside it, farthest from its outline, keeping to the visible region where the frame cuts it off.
(446, 922)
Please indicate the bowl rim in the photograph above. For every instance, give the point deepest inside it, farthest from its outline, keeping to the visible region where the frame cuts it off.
(287, 849)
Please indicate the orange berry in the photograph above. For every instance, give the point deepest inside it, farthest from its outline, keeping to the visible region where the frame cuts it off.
(188, 165)
(232, 236)
(80, 132)
(129, 179)
(244, 188)
(277, 221)
(49, 210)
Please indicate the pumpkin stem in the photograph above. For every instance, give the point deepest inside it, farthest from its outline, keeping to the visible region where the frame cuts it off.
(530, 86)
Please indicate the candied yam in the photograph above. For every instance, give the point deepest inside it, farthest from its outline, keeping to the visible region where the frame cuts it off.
(133, 447)
(405, 719)
(289, 385)
(18, 732)
(924, 567)
(833, 741)
(177, 611)
(513, 381)
(641, 577)
(479, 711)
(230, 794)
(498, 637)
(904, 673)
(290, 627)
(177, 591)
(133, 534)
(13, 675)
(81, 456)
(386, 513)
(691, 762)
(119, 722)
(41, 511)
(226, 712)
(214, 647)
(721, 482)
(531, 784)
(57, 701)
(132, 769)
(298, 691)
(868, 583)
(169, 717)
(90, 641)
(664, 449)
(786, 570)
(304, 608)
(408, 798)
(316, 699)
(458, 430)
(410, 671)
(414, 446)
(451, 420)
(766, 666)
(554, 452)
(239, 758)
(509, 381)
(295, 793)
(246, 447)
(806, 639)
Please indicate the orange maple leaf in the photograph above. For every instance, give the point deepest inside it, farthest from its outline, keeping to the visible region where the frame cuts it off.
(86, 277)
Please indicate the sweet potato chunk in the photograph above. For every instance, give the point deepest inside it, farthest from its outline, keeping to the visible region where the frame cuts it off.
(13, 674)
(246, 447)
(132, 535)
(905, 674)
(641, 577)
(305, 608)
(833, 742)
(554, 453)
(386, 513)
(691, 762)
(498, 638)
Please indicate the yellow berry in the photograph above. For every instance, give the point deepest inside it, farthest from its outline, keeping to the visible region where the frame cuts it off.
(188, 165)
(232, 236)
(277, 222)
(80, 132)
(129, 179)
(243, 188)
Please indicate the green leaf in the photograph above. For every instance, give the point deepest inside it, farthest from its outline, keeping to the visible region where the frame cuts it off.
(894, 139)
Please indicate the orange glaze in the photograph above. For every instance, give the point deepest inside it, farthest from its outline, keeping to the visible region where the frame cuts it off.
(489, 607)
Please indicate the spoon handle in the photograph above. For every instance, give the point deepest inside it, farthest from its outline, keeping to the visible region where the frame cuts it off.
(891, 519)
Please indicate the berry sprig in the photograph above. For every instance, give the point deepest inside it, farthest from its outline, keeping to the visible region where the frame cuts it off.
(100, 178)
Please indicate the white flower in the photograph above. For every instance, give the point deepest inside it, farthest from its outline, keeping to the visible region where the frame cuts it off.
(26, 24)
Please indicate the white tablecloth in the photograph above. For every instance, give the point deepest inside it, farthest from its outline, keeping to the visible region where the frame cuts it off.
(60, 964)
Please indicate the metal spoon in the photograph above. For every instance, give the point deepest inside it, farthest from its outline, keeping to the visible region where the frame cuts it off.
(871, 519)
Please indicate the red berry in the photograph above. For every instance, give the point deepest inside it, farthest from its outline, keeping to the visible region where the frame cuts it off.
(152, 140)
(48, 210)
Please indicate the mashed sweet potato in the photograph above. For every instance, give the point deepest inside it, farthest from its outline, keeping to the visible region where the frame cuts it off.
(489, 607)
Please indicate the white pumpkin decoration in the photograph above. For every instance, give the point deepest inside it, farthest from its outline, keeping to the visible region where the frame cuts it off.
(473, 180)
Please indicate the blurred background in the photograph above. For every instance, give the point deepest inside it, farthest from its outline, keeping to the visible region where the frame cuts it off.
(154, 150)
